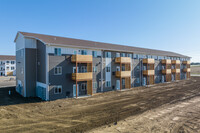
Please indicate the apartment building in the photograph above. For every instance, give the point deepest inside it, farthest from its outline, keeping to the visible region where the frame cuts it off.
(52, 67)
(7, 65)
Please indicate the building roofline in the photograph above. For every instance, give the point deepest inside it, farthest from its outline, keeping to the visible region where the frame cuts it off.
(42, 37)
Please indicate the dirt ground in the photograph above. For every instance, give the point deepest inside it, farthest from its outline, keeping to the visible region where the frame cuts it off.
(168, 107)
(195, 69)
(7, 81)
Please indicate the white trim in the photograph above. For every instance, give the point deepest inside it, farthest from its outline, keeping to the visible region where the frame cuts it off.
(41, 84)
(47, 75)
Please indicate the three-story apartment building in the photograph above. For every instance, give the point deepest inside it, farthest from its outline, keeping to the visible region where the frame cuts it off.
(52, 67)
(7, 65)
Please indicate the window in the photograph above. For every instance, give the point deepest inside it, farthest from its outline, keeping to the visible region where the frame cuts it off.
(12, 62)
(57, 70)
(137, 80)
(7, 68)
(83, 86)
(94, 85)
(108, 84)
(117, 54)
(108, 54)
(7, 62)
(75, 52)
(122, 54)
(83, 69)
(58, 89)
(135, 56)
(57, 51)
(83, 52)
(12, 68)
(107, 69)
(123, 81)
(94, 69)
(130, 55)
(94, 53)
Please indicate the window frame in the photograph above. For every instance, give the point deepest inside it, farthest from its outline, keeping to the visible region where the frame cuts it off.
(108, 85)
(57, 71)
(94, 54)
(108, 68)
(57, 87)
(94, 85)
(59, 53)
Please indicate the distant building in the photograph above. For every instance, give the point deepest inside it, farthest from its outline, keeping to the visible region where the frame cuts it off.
(7, 65)
(52, 67)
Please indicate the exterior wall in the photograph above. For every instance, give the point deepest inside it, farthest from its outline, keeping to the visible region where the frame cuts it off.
(65, 80)
(20, 76)
(30, 72)
(97, 75)
(26, 66)
(36, 62)
(158, 71)
(137, 67)
(41, 62)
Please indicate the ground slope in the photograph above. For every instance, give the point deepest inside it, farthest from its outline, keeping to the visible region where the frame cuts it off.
(148, 105)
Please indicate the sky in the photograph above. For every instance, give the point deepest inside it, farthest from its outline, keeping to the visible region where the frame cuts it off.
(171, 25)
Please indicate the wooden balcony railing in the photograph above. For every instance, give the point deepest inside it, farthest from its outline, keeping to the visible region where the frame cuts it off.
(123, 60)
(82, 76)
(166, 61)
(166, 71)
(82, 58)
(148, 72)
(176, 62)
(175, 70)
(148, 61)
(123, 74)
(186, 62)
(186, 70)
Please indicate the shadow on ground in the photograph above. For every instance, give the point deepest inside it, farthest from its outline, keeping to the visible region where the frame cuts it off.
(14, 98)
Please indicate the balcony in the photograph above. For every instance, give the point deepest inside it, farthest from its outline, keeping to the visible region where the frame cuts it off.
(186, 62)
(148, 61)
(123, 60)
(148, 72)
(82, 58)
(186, 70)
(121, 74)
(166, 61)
(175, 61)
(175, 70)
(166, 71)
(82, 76)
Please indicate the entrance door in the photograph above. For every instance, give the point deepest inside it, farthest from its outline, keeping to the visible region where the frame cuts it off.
(74, 90)
(144, 81)
(117, 84)
(118, 68)
(163, 78)
(172, 77)
(74, 69)
(1, 74)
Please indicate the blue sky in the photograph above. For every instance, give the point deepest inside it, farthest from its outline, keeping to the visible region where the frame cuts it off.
(172, 25)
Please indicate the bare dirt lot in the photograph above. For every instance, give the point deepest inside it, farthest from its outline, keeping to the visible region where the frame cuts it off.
(7, 81)
(195, 69)
(168, 107)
